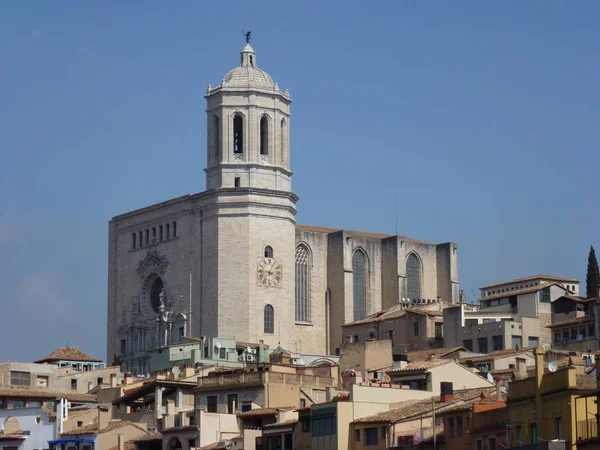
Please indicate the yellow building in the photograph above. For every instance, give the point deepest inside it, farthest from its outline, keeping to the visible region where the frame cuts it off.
(550, 405)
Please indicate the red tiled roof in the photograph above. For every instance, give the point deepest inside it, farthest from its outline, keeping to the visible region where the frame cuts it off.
(535, 277)
(149, 437)
(525, 290)
(498, 354)
(285, 423)
(425, 355)
(31, 393)
(68, 354)
(12, 436)
(93, 428)
(260, 412)
(420, 365)
(571, 321)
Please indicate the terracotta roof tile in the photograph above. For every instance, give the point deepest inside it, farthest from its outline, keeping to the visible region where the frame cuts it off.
(525, 290)
(535, 277)
(413, 408)
(571, 321)
(420, 365)
(31, 393)
(425, 355)
(93, 428)
(12, 436)
(260, 412)
(68, 354)
(285, 423)
(213, 446)
(498, 354)
(149, 437)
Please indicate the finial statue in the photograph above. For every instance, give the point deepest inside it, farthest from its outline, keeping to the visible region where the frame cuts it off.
(247, 34)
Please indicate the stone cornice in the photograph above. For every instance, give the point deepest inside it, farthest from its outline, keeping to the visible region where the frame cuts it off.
(248, 165)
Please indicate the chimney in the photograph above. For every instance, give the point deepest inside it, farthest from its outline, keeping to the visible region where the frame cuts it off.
(120, 443)
(521, 366)
(498, 392)
(128, 378)
(103, 417)
(399, 361)
(447, 392)
(188, 371)
(113, 380)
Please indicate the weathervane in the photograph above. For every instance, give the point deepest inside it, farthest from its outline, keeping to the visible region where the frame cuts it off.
(247, 34)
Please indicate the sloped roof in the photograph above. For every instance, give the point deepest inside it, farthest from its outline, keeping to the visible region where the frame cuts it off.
(380, 316)
(368, 234)
(498, 354)
(93, 428)
(285, 423)
(412, 408)
(31, 393)
(525, 290)
(571, 321)
(420, 365)
(260, 412)
(149, 437)
(67, 354)
(425, 355)
(532, 278)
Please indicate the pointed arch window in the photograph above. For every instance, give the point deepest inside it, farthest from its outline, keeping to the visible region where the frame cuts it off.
(359, 284)
(413, 277)
(264, 135)
(238, 134)
(216, 136)
(269, 320)
(302, 283)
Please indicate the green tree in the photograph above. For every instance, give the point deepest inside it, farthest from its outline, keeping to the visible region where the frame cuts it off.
(593, 275)
(117, 361)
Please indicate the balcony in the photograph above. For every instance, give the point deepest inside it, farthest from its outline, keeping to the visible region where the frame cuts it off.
(587, 429)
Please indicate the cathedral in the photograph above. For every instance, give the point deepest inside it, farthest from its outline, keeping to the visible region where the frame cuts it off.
(232, 262)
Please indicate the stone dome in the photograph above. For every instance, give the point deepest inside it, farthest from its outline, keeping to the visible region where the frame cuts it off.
(248, 75)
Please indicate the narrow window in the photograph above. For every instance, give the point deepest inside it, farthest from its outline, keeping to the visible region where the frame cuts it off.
(264, 135)
(416, 328)
(73, 383)
(269, 320)
(216, 137)
(160, 232)
(236, 181)
(168, 231)
(147, 237)
(413, 277)
(153, 235)
(251, 61)
(174, 229)
(141, 244)
(359, 284)
(302, 283)
(211, 403)
(282, 137)
(268, 251)
(357, 435)
(133, 240)
(238, 134)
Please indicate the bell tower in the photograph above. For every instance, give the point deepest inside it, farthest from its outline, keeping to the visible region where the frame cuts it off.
(248, 224)
(248, 122)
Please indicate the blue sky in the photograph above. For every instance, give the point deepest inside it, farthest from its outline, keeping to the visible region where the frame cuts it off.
(482, 116)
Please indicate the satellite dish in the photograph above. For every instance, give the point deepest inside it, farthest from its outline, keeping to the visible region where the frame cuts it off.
(249, 349)
(552, 366)
(490, 378)
(218, 345)
(175, 370)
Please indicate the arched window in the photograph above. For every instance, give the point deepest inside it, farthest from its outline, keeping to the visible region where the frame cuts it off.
(269, 320)
(359, 284)
(268, 251)
(264, 135)
(282, 138)
(413, 277)
(216, 137)
(302, 283)
(155, 290)
(238, 134)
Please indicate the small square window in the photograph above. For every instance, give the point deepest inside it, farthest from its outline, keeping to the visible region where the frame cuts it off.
(236, 182)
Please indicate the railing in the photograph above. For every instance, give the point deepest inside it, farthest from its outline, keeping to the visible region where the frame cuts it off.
(263, 377)
(557, 445)
(587, 429)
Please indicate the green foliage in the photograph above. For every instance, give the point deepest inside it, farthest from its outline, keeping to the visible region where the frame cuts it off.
(592, 280)
(117, 361)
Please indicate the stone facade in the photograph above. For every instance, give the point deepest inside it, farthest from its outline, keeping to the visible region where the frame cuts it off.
(227, 259)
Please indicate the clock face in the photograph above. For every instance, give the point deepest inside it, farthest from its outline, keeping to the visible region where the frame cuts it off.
(269, 272)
